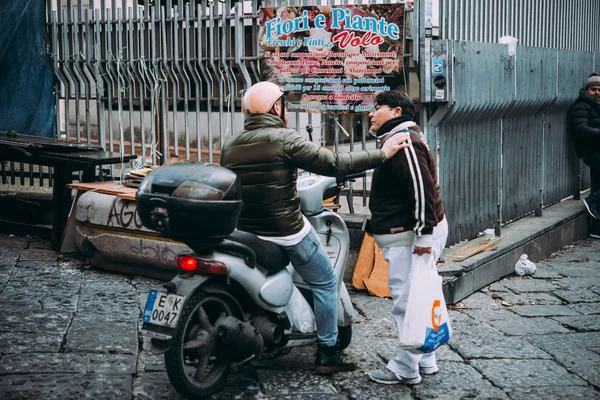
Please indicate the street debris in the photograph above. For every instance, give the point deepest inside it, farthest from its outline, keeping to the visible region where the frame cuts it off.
(458, 307)
(524, 266)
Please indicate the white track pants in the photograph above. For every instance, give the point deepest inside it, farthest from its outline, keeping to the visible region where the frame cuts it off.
(405, 363)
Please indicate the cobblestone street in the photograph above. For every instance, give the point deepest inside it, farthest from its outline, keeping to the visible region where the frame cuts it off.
(68, 331)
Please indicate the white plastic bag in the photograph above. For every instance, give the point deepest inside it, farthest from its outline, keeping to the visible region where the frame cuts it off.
(524, 266)
(299, 313)
(426, 324)
(511, 42)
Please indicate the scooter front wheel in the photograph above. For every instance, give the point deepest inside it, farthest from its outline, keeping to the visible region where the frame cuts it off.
(196, 363)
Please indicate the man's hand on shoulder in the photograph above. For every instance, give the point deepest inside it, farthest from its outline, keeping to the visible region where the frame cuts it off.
(395, 143)
(420, 251)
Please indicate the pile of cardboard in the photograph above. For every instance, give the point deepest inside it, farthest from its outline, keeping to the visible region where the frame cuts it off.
(371, 271)
(134, 178)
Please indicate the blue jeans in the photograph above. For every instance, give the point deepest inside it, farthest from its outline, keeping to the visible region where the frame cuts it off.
(310, 260)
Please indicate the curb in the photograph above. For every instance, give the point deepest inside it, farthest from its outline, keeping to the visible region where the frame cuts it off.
(538, 237)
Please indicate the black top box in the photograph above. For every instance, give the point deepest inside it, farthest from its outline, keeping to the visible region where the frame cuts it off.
(190, 200)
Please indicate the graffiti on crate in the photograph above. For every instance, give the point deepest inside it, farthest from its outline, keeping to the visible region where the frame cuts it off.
(123, 214)
(154, 251)
(333, 58)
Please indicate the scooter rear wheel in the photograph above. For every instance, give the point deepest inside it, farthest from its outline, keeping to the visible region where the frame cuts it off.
(196, 363)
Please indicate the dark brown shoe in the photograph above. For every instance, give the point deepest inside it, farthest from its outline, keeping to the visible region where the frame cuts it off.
(330, 360)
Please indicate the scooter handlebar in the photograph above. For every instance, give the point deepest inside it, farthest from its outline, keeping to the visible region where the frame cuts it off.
(351, 176)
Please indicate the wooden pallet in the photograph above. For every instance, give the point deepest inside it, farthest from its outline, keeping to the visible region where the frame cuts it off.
(116, 189)
(475, 246)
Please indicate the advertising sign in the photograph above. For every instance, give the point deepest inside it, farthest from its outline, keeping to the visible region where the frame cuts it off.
(333, 58)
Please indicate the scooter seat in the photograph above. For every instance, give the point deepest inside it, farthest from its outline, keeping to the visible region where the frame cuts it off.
(268, 255)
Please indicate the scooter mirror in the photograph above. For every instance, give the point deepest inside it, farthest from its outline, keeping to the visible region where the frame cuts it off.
(309, 129)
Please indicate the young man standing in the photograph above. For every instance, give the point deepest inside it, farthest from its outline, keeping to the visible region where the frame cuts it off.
(407, 217)
(266, 157)
(584, 125)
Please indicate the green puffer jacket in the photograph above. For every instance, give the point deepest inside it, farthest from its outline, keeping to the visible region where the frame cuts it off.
(266, 157)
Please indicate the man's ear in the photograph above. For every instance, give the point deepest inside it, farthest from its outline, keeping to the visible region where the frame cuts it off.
(276, 109)
(399, 110)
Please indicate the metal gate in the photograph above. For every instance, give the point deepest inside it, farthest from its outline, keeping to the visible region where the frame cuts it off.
(165, 79)
(152, 80)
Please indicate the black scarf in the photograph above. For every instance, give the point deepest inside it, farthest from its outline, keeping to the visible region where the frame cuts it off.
(583, 94)
(391, 124)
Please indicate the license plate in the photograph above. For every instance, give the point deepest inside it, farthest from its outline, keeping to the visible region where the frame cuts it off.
(163, 308)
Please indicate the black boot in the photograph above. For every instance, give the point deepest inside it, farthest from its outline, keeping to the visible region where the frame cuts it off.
(594, 230)
(330, 360)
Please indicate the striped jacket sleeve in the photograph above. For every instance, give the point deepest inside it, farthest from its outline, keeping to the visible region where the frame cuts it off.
(413, 171)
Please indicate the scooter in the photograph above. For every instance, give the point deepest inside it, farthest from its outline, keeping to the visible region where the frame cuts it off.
(237, 298)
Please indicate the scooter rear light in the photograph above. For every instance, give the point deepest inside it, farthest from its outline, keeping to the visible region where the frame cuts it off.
(187, 263)
(192, 264)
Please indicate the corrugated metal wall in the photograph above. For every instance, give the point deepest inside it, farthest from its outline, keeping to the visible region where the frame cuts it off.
(522, 145)
(469, 168)
(504, 152)
(556, 24)
(562, 166)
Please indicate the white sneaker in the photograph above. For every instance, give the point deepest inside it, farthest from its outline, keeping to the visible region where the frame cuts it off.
(388, 377)
(429, 370)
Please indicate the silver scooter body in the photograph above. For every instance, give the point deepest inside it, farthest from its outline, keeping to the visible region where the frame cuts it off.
(272, 292)
(332, 231)
(247, 303)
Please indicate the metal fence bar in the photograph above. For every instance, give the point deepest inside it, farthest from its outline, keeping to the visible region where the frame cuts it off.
(74, 63)
(109, 74)
(170, 40)
(146, 86)
(215, 61)
(228, 59)
(68, 82)
(180, 71)
(120, 80)
(163, 141)
(190, 55)
(129, 74)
